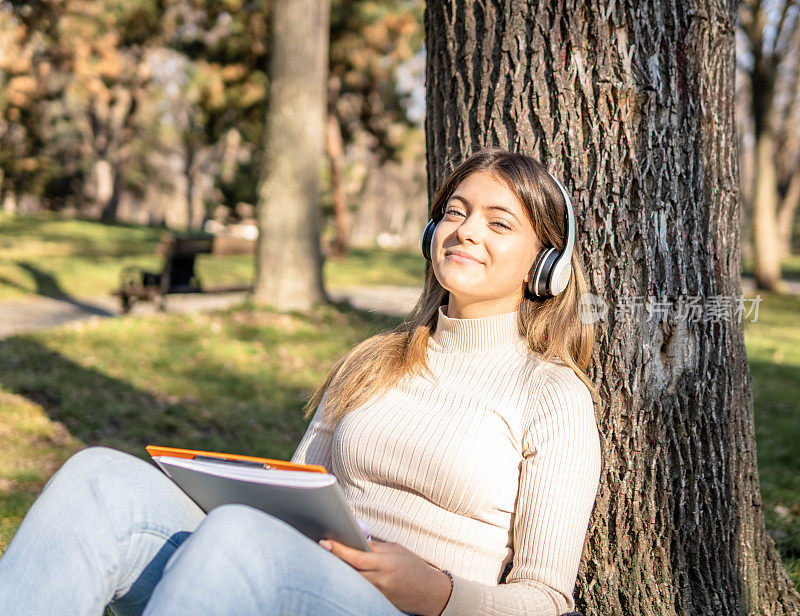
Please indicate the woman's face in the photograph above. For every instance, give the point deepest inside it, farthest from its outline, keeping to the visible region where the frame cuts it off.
(484, 220)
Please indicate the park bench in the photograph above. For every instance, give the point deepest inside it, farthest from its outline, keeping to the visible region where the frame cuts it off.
(178, 273)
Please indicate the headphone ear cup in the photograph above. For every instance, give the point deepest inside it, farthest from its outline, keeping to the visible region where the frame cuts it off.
(532, 274)
(427, 238)
(539, 281)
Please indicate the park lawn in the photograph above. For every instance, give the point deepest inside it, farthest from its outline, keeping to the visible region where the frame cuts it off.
(55, 257)
(231, 381)
(773, 351)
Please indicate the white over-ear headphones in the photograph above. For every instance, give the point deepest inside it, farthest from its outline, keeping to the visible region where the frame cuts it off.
(551, 269)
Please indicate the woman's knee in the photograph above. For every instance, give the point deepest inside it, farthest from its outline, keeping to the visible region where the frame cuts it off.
(248, 532)
(236, 523)
(102, 470)
(90, 462)
(94, 462)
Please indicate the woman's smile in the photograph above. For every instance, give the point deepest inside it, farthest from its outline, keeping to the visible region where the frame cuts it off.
(457, 258)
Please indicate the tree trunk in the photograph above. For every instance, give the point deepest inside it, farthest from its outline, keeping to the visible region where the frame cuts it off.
(631, 104)
(786, 213)
(340, 214)
(288, 259)
(765, 205)
(10, 202)
(104, 188)
(9, 207)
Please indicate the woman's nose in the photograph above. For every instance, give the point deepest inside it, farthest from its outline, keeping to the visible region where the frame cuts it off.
(468, 229)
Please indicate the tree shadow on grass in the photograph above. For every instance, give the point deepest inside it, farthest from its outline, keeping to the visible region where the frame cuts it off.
(48, 285)
(259, 412)
(252, 413)
(98, 409)
(777, 422)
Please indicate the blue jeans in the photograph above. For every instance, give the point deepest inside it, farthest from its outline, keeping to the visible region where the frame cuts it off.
(110, 528)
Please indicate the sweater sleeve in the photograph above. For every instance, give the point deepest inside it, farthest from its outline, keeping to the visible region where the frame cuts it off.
(315, 446)
(559, 477)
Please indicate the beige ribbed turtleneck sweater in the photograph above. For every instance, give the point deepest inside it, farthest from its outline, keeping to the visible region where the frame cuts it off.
(498, 459)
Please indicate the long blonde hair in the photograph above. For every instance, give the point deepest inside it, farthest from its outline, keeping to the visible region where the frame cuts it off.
(550, 326)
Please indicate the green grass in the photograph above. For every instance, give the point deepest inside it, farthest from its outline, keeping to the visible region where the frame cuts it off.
(230, 381)
(773, 351)
(54, 257)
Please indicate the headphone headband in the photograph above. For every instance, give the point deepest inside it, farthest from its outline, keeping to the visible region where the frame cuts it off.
(558, 276)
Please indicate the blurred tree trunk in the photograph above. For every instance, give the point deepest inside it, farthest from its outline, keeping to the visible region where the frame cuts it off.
(631, 104)
(111, 116)
(288, 259)
(765, 204)
(786, 214)
(3, 192)
(769, 30)
(9, 202)
(340, 214)
(104, 188)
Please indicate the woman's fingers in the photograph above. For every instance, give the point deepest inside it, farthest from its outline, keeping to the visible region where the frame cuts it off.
(363, 561)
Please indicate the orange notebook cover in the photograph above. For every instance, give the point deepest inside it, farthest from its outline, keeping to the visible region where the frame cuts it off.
(268, 463)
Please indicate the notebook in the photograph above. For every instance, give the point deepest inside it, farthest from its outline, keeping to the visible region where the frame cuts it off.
(305, 496)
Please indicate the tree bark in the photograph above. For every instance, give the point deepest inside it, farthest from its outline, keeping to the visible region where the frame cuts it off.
(786, 213)
(288, 256)
(632, 105)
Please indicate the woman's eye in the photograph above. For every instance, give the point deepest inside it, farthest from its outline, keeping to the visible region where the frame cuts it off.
(451, 210)
(503, 225)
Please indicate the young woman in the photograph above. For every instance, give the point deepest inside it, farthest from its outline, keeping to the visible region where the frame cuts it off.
(465, 438)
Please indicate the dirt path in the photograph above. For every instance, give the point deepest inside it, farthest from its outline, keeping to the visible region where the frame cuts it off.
(43, 312)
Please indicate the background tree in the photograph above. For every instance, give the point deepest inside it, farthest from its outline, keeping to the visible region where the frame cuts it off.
(772, 38)
(631, 104)
(288, 256)
(27, 64)
(788, 150)
(370, 42)
(152, 111)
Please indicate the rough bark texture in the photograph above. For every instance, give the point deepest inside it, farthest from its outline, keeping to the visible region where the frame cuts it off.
(631, 104)
(289, 260)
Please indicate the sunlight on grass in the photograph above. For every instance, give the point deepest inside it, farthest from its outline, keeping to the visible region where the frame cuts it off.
(33, 446)
(773, 351)
(54, 257)
(230, 381)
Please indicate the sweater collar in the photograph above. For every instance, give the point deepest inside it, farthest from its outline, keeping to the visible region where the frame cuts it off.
(482, 334)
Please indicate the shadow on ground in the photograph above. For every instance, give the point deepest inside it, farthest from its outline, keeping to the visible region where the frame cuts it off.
(101, 410)
(217, 408)
(48, 286)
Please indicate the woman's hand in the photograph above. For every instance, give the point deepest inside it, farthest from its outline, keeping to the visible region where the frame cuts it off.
(409, 582)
